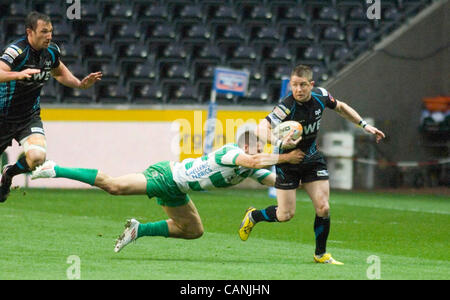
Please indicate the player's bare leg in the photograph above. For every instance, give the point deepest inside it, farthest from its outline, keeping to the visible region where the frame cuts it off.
(35, 148)
(184, 222)
(287, 200)
(130, 184)
(319, 192)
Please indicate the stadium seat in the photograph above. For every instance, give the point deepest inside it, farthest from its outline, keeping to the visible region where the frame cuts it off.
(126, 33)
(70, 52)
(189, 13)
(196, 34)
(314, 54)
(18, 10)
(230, 36)
(255, 14)
(56, 11)
(269, 69)
(203, 70)
(327, 15)
(175, 51)
(158, 36)
(140, 72)
(62, 31)
(257, 94)
(14, 31)
(49, 92)
(99, 53)
(319, 73)
(265, 35)
(90, 12)
(136, 52)
(252, 67)
(209, 53)
(71, 95)
(95, 32)
(147, 93)
(171, 70)
(120, 12)
(111, 71)
(282, 71)
(112, 93)
(281, 52)
(244, 53)
(225, 13)
(181, 93)
(154, 13)
(288, 13)
(390, 14)
(356, 15)
(360, 34)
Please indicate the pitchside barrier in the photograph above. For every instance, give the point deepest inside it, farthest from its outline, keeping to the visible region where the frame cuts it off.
(127, 141)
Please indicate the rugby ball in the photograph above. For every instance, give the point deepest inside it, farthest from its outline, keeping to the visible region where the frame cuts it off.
(282, 129)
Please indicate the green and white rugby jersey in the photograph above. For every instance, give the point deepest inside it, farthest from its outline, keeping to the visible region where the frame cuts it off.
(215, 170)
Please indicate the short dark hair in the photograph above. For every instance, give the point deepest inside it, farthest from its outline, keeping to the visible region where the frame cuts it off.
(303, 71)
(33, 18)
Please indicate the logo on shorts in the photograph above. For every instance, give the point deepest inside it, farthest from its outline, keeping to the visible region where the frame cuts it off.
(322, 173)
(37, 129)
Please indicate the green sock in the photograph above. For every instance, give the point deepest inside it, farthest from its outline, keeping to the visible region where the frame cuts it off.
(153, 229)
(84, 175)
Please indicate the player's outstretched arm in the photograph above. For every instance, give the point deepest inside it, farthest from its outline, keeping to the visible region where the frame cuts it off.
(263, 160)
(65, 77)
(7, 75)
(351, 115)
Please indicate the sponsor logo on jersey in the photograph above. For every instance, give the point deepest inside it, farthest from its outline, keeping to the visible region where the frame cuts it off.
(8, 58)
(311, 128)
(281, 111)
(322, 173)
(37, 129)
(41, 76)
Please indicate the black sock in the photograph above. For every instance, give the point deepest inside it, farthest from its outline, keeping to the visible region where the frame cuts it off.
(321, 230)
(269, 214)
(20, 167)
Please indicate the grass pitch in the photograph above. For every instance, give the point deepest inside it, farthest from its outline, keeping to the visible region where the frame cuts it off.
(41, 228)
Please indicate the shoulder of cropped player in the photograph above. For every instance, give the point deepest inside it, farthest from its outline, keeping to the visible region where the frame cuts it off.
(324, 97)
(55, 52)
(15, 52)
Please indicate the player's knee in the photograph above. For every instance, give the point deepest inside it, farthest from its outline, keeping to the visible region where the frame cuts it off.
(285, 215)
(192, 231)
(35, 158)
(323, 210)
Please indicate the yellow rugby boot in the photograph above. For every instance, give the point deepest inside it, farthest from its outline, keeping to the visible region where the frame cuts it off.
(246, 225)
(326, 259)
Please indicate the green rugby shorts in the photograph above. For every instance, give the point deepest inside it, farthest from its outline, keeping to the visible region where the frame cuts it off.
(160, 184)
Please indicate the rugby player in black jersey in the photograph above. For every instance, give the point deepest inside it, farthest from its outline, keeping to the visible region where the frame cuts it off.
(305, 105)
(25, 66)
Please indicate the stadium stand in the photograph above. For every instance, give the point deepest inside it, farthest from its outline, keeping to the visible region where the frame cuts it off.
(166, 51)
